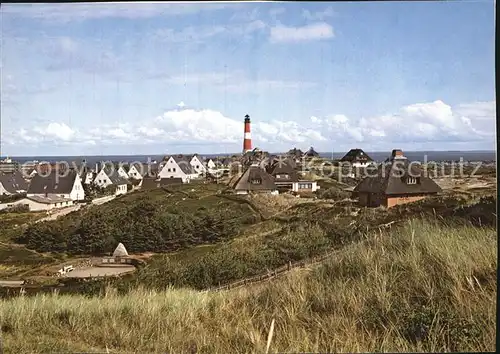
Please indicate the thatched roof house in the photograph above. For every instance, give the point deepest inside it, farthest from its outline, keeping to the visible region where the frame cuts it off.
(397, 182)
(357, 157)
(311, 153)
(255, 179)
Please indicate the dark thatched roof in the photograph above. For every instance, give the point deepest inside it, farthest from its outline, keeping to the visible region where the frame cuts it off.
(54, 183)
(356, 155)
(285, 170)
(311, 153)
(391, 180)
(255, 179)
(13, 182)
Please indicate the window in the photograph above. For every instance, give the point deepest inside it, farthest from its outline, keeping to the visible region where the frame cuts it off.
(173, 169)
(256, 181)
(169, 170)
(411, 180)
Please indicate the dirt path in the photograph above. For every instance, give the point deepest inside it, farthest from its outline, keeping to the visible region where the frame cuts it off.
(61, 212)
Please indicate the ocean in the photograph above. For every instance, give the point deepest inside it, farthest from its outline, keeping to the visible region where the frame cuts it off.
(379, 156)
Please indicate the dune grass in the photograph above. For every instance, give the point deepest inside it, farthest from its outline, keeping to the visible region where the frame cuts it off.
(423, 287)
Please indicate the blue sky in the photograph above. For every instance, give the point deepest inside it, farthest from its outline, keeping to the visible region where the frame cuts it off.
(165, 78)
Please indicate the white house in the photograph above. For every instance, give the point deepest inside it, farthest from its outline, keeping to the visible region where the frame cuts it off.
(38, 203)
(122, 173)
(197, 164)
(66, 185)
(357, 158)
(135, 171)
(140, 170)
(178, 167)
(211, 164)
(108, 176)
(287, 179)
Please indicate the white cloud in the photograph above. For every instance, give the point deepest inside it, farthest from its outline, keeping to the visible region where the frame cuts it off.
(422, 123)
(318, 15)
(81, 11)
(315, 31)
(57, 131)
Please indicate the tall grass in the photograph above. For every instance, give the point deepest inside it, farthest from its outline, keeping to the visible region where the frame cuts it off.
(425, 287)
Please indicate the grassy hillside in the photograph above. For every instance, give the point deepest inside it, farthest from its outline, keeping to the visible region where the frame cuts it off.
(424, 287)
(156, 221)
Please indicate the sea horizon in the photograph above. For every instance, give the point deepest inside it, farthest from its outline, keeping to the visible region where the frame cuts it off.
(416, 155)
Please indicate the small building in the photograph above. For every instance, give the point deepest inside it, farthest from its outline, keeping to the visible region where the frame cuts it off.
(286, 178)
(66, 185)
(397, 182)
(12, 183)
(141, 170)
(111, 176)
(42, 203)
(357, 158)
(178, 167)
(120, 256)
(255, 180)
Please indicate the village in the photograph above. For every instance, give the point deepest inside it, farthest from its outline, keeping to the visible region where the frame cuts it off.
(53, 186)
(59, 189)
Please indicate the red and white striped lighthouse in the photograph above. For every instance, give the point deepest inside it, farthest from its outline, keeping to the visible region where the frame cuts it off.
(247, 139)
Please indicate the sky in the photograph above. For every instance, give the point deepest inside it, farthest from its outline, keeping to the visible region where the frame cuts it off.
(154, 78)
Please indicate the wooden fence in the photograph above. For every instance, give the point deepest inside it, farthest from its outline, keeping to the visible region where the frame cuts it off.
(286, 268)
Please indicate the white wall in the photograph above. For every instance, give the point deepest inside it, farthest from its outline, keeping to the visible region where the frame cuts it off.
(121, 189)
(360, 164)
(314, 185)
(36, 206)
(211, 164)
(3, 190)
(133, 173)
(89, 177)
(77, 192)
(197, 165)
(102, 180)
(121, 172)
(172, 170)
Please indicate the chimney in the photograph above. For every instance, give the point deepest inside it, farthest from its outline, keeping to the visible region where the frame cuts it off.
(247, 138)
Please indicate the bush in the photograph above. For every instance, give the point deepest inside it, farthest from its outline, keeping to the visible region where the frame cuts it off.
(19, 208)
(333, 193)
(141, 223)
(11, 198)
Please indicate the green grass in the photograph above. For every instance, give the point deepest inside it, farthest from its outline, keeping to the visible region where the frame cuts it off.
(425, 287)
(11, 224)
(16, 259)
